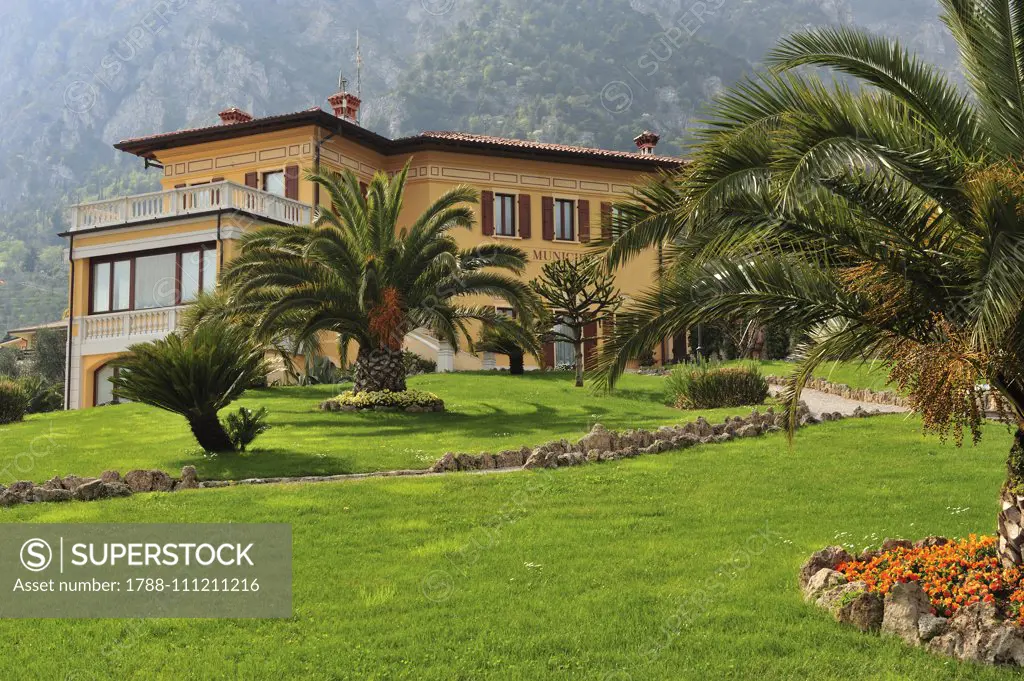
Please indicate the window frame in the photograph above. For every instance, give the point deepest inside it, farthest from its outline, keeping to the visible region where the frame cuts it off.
(499, 214)
(284, 182)
(115, 400)
(558, 205)
(178, 251)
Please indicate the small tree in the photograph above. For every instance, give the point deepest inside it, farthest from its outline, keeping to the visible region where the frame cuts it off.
(577, 294)
(9, 363)
(51, 354)
(195, 375)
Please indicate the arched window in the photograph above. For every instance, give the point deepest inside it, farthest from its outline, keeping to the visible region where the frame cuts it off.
(103, 388)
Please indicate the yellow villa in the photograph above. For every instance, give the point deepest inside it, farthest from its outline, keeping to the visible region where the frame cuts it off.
(137, 260)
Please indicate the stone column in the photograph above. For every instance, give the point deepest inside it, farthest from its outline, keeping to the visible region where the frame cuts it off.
(445, 358)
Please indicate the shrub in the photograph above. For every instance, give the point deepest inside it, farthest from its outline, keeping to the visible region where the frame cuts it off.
(246, 425)
(322, 371)
(51, 354)
(13, 401)
(709, 386)
(42, 396)
(195, 376)
(416, 364)
(9, 364)
(385, 399)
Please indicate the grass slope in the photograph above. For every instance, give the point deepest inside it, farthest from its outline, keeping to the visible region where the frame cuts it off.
(679, 566)
(486, 412)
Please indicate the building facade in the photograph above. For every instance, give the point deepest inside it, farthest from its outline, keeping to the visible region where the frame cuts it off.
(137, 261)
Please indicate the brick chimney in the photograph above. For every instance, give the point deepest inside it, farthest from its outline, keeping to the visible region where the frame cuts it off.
(234, 115)
(646, 141)
(345, 104)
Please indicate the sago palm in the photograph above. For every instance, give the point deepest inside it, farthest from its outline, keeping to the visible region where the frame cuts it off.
(359, 273)
(884, 220)
(194, 375)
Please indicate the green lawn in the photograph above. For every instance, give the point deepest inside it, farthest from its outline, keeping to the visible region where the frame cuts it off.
(486, 412)
(692, 555)
(869, 374)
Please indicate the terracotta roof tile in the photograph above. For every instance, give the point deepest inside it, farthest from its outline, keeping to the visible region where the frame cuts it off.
(488, 140)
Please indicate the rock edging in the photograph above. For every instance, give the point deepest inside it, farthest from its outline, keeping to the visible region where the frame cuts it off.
(601, 444)
(974, 633)
(110, 484)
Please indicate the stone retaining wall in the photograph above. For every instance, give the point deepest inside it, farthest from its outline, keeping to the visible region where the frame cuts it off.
(974, 633)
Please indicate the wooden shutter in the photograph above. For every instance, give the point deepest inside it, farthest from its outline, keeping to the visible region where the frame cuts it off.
(606, 220)
(291, 182)
(487, 213)
(547, 212)
(252, 180)
(524, 216)
(589, 345)
(549, 355)
(584, 213)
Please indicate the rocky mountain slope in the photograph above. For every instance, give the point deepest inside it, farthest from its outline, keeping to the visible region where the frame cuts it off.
(78, 75)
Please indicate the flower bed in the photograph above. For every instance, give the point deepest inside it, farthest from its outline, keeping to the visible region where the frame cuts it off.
(954, 597)
(411, 401)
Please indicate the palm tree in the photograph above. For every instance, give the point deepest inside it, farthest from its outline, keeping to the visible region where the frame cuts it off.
(515, 340)
(885, 220)
(194, 375)
(356, 273)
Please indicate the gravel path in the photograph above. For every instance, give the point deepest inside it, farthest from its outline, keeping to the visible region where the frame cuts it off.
(820, 402)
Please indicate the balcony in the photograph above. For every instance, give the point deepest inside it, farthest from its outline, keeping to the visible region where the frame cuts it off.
(188, 201)
(117, 330)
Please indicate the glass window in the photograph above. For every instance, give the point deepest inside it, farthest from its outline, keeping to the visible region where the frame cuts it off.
(565, 354)
(565, 227)
(122, 284)
(155, 279)
(504, 215)
(191, 264)
(274, 182)
(104, 388)
(209, 269)
(101, 287)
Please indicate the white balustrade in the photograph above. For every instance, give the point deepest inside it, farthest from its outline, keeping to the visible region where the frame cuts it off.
(186, 201)
(130, 327)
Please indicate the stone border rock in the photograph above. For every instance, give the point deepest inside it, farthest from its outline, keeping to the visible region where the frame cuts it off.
(604, 445)
(886, 397)
(109, 484)
(974, 633)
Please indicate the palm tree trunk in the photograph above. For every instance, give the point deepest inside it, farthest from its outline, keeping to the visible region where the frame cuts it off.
(379, 369)
(210, 433)
(515, 364)
(578, 353)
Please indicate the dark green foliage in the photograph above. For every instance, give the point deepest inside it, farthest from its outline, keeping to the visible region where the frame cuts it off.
(43, 397)
(195, 376)
(13, 401)
(51, 354)
(246, 425)
(705, 385)
(9, 365)
(416, 364)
